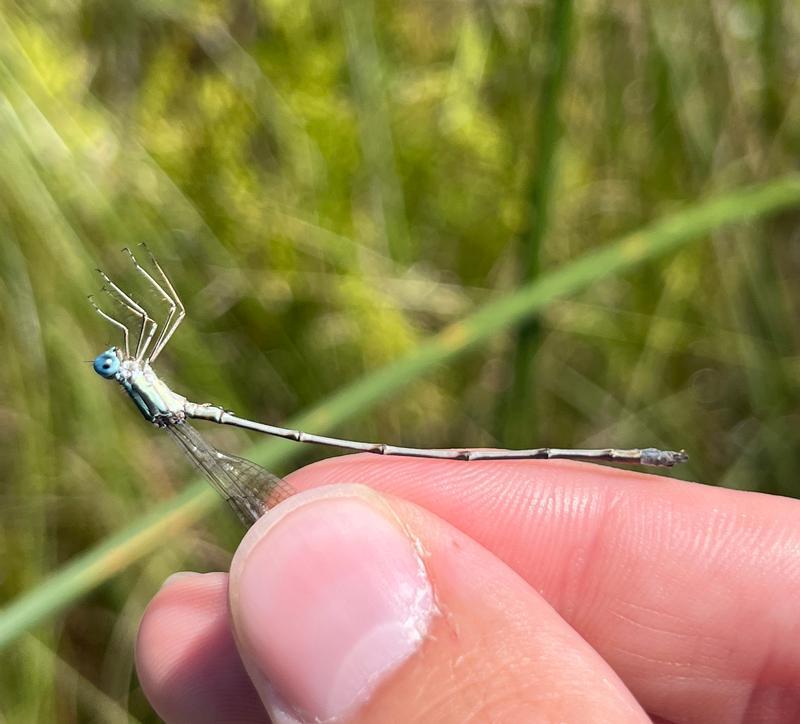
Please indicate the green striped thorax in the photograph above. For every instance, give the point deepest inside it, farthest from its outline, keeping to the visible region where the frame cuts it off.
(154, 399)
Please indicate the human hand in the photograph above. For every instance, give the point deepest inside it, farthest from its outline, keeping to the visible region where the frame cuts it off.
(508, 591)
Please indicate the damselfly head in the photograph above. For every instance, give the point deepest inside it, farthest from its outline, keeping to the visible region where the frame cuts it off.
(107, 364)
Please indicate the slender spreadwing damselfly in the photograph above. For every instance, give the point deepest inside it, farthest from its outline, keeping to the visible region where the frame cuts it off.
(250, 489)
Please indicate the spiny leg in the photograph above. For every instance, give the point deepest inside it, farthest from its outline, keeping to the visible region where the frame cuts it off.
(147, 326)
(145, 336)
(159, 343)
(179, 308)
(115, 322)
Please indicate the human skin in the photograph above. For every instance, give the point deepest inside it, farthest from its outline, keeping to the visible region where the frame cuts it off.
(429, 590)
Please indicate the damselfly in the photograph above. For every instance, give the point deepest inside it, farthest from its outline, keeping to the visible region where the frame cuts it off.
(250, 489)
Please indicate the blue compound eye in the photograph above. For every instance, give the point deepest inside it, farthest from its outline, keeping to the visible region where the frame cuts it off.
(107, 364)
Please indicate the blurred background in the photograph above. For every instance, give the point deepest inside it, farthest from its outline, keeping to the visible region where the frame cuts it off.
(328, 185)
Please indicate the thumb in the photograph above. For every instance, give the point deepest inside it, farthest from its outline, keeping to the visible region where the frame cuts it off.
(352, 605)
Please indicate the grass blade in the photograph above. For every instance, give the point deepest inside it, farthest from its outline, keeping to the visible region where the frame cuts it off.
(667, 235)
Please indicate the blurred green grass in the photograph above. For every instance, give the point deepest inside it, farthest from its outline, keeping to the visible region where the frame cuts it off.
(330, 185)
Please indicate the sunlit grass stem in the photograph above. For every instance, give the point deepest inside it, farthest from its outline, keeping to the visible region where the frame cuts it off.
(136, 540)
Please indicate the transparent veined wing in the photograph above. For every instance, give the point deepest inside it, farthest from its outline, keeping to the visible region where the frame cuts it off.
(248, 488)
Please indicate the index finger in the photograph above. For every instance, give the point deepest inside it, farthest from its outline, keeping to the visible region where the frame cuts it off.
(688, 591)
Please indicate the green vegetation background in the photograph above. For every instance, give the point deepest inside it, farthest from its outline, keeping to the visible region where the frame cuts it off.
(328, 185)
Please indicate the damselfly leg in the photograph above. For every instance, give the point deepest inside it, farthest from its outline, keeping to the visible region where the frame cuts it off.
(116, 323)
(147, 350)
(167, 292)
(148, 324)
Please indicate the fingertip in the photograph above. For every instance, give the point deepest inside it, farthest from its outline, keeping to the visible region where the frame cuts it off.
(347, 603)
(329, 596)
(178, 576)
(186, 601)
(186, 659)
